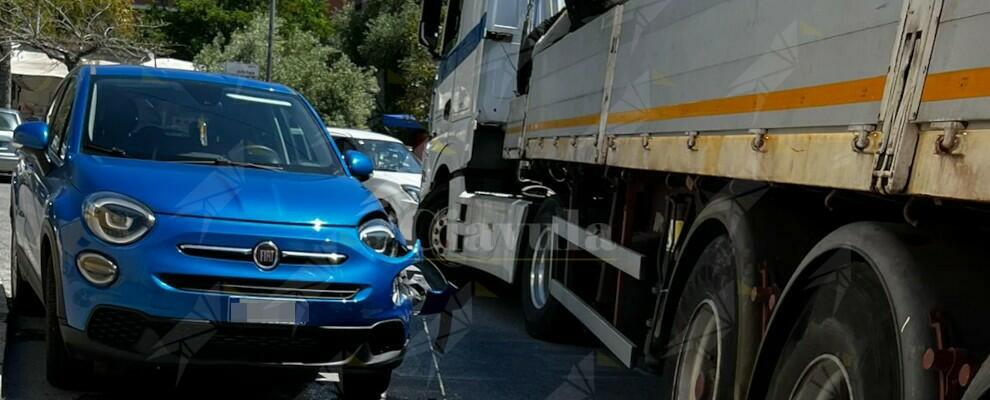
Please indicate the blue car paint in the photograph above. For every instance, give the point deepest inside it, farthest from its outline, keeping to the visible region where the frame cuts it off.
(359, 164)
(228, 193)
(33, 135)
(194, 204)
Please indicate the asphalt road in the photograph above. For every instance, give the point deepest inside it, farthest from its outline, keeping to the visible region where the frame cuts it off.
(487, 355)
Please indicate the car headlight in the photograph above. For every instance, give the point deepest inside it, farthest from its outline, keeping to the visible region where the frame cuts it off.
(379, 235)
(115, 218)
(412, 191)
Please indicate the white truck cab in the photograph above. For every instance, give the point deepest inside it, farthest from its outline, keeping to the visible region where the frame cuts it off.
(476, 44)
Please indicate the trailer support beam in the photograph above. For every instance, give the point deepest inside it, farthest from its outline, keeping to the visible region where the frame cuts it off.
(615, 341)
(620, 257)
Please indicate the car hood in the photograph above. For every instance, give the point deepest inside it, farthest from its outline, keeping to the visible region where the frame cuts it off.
(401, 178)
(225, 192)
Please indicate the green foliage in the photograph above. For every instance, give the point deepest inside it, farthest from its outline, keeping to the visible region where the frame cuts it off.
(70, 30)
(193, 24)
(340, 90)
(384, 34)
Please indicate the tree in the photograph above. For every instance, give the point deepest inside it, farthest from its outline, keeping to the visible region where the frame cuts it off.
(384, 34)
(70, 30)
(191, 25)
(5, 84)
(340, 90)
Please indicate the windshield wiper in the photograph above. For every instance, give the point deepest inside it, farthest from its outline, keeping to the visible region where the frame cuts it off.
(113, 151)
(224, 161)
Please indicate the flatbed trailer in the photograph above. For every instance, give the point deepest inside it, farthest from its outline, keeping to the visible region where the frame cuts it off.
(758, 198)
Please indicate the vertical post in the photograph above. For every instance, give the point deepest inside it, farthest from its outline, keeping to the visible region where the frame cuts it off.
(6, 53)
(271, 32)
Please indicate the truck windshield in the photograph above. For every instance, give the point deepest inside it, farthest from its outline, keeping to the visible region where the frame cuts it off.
(202, 122)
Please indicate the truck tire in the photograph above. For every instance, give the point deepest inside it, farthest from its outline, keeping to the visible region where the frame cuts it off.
(843, 344)
(62, 370)
(702, 348)
(370, 384)
(431, 225)
(545, 317)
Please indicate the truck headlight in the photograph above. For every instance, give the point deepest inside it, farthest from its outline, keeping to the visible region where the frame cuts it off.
(412, 191)
(379, 235)
(116, 218)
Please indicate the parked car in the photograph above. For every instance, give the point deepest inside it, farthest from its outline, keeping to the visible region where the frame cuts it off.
(9, 119)
(171, 216)
(397, 172)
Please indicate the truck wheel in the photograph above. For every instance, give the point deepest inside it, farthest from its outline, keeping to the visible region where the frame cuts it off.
(431, 226)
(62, 370)
(843, 344)
(545, 317)
(703, 338)
(365, 384)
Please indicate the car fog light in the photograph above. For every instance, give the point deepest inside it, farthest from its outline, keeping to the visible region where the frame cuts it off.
(410, 284)
(97, 269)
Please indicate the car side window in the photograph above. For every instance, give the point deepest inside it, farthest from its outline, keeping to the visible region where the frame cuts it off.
(344, 145)
(55, 100)
(59, 122)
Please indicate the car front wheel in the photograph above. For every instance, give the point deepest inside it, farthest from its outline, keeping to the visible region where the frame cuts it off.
(62, 370)
(22, 300)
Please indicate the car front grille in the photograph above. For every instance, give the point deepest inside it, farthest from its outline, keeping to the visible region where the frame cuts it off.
(261, 287)
(116, 328)
(245, 254)
(134, 332)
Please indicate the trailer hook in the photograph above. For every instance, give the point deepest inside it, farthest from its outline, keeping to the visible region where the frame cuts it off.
(692, 140)
(759, 139)
(948, 141)
(861, 141)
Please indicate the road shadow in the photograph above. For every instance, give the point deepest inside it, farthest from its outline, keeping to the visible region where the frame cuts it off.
(24, 376)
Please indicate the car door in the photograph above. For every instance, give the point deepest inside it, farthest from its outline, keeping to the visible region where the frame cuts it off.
(34, 189)
(22, 187)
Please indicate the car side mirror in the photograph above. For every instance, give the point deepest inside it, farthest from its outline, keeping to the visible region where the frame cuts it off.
(359, 164)
(31, 135)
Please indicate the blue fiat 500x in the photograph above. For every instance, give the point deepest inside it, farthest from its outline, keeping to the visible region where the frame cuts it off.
(170, 216)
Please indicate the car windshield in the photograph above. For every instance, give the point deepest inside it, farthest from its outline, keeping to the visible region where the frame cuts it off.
(191, 121)
(8, 121)
(387, 156)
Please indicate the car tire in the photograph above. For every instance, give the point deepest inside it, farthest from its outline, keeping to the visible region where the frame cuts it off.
(22, 299)
(843, 342)
(545, 317)
(365, 384)
(62, 370)
(390, 213)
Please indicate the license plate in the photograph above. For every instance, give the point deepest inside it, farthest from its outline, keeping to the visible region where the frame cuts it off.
(263, 311)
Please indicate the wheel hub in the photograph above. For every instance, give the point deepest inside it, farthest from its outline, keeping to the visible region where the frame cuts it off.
(700, 350)
(438, 234)
(825, 378)
(540, 267)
